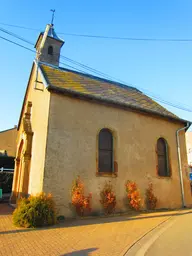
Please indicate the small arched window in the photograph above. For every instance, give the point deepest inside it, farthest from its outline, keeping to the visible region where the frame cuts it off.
(163, 158)
(105, 151)
(50, 50)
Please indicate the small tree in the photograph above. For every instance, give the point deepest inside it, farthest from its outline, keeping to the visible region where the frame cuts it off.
(133, 195)
(108, 198)
(150, 199)
(35, 211)
(79, 200)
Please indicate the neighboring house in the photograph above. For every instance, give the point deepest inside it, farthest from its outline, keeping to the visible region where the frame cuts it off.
(189, 147)
(75, 124)
(7, 156)
(8, 141)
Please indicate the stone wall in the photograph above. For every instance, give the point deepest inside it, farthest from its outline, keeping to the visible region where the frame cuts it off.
(72, 150)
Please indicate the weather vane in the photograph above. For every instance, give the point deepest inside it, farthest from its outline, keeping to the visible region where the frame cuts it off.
(53, 14)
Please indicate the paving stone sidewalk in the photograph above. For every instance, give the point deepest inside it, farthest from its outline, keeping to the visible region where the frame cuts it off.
(110, 236)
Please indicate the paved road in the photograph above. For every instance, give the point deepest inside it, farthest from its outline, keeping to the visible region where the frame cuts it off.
(171, 238)
(111, 236)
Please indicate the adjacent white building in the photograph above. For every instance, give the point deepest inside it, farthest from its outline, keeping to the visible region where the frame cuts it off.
(189, 147)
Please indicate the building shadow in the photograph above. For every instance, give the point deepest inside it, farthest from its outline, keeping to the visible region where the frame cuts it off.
(69, 223)
(85, 252)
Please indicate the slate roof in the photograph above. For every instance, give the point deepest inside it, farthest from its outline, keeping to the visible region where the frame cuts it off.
(75, 83)
(52, 34)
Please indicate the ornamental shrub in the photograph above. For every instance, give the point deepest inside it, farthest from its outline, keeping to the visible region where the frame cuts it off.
(79, 200)
(35, 211)
(133, 195)
(151, 199)
(108, 198)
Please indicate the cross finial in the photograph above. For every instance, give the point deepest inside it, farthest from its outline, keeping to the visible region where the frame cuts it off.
(53, 14)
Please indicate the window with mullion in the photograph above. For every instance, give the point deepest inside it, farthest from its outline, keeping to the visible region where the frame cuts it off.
(105, 151)
(163, 158)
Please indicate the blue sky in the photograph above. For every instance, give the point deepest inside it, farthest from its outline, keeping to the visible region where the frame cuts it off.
(163, 68)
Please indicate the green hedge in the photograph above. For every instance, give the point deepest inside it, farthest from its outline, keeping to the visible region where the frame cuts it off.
(35, 211)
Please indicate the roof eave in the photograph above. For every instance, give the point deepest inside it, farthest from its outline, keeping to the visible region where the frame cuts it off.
(189, 124)
(14, 128)
(59, 40)
(109, 101)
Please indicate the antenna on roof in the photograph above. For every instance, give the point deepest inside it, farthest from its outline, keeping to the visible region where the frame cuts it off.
(53, 15)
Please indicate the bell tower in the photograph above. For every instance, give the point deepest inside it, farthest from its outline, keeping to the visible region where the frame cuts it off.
(48, 46)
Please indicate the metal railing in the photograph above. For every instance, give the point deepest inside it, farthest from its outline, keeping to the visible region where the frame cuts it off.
(7, 170)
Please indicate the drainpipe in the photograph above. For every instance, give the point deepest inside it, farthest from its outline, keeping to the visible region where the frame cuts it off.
(180, 166)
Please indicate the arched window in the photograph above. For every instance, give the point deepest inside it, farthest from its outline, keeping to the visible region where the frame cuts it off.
(163, 158)
(105, 151)
(50, 50)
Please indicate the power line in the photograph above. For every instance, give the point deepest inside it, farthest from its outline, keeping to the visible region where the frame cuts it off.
(95, 71)
(153, 97)
(16, 36)
(16, 26)
(68, 59)
(33, 50)
(79, 70)
(158, 99)
(171, 104)
(10, 41)
(108, 37)
(128, 38)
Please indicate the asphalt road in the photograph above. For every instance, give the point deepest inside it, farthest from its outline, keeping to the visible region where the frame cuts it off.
(174, 237)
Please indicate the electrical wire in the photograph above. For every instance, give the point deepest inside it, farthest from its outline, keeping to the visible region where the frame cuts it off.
(16, 26)
(128, 38)
(94, 70)
(79, 70)
(16, 36)
(157, 97)
(108, 37)
(153, 97)
(10, 41)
